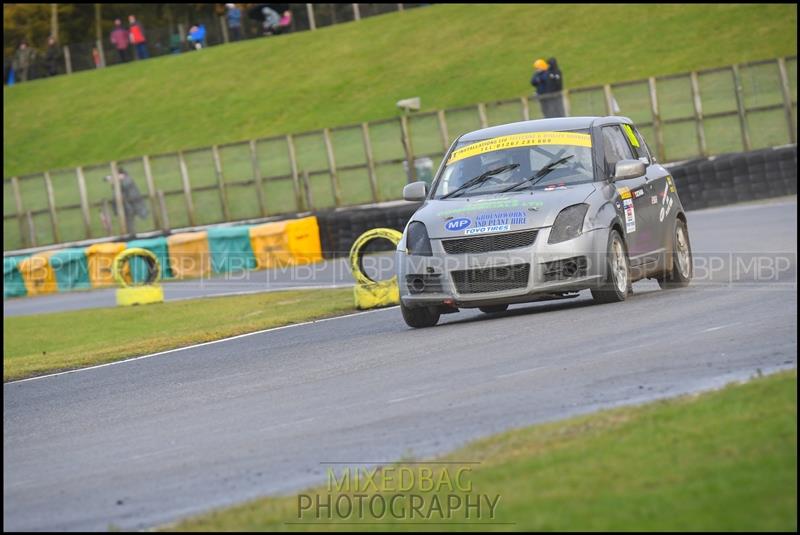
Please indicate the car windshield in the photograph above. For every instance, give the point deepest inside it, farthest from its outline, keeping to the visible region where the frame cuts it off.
(517, 162)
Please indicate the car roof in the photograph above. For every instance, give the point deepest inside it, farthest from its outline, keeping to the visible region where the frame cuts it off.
(543, 125)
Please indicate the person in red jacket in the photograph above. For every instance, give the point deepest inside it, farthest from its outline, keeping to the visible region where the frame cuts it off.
(137, 37)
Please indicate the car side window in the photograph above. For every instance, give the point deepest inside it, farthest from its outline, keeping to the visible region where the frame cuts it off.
(638, 144)
(615, 147)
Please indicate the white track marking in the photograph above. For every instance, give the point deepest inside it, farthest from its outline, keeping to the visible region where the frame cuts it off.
(415, 396)
(520, 372)
(199, 345)
(718, 328)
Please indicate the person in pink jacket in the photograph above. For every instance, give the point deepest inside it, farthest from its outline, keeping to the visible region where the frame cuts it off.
(119, 38)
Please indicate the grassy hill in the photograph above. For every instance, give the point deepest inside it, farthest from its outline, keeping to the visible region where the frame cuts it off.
(449, 55)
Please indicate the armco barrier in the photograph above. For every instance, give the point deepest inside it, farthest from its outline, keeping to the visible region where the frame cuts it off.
(13, 283)
(100, 257)
(189, 255)
(37, 274)
(230, 249)
(71, 269)
(157, 246)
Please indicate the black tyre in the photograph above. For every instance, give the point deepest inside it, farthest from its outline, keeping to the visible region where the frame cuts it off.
(494, 309)
(679, 260)
(419, 317)
(617, 284)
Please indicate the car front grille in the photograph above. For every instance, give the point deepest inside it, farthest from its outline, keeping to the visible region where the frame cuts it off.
(493, 279)
(492, 242)
(418, 284)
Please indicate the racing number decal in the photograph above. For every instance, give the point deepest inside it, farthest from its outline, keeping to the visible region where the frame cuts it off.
(667, 201)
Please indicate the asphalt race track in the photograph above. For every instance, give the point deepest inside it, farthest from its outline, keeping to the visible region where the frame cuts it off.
(147, 441)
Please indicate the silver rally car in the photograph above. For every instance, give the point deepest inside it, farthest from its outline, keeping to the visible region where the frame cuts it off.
(541, 210)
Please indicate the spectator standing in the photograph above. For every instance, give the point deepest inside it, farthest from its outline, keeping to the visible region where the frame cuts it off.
(119, 38)
(234, 21)
(555, 83)
(285, 23)
(23, 59)
(544, 81)
(137, 37)
(132, 200)
(52, 57)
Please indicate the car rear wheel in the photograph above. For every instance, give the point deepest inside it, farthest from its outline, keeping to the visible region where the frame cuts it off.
(617, 284)
(680, 260)
(419, 317)
(494, 309)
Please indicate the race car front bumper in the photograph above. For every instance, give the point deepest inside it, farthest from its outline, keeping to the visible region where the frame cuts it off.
(502, 277)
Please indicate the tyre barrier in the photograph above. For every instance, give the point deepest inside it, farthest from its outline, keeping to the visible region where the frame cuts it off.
(736, 177)
(132, 292)
(369, 293)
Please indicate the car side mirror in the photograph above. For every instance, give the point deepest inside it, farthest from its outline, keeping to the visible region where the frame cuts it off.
(625, 169)
(416, 191)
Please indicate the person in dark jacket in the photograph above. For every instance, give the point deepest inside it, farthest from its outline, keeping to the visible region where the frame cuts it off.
(52, 57)
(548, 83)
(23, 61)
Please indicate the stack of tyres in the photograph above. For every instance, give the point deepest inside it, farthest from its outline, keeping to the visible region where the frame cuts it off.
(742, 184)
(787, 162)
(757, 172)
(724, 173)
(707, 177)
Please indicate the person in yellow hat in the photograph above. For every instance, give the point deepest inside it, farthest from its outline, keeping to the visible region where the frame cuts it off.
(547, 81)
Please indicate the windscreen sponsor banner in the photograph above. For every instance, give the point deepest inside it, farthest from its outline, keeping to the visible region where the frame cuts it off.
(521, 140)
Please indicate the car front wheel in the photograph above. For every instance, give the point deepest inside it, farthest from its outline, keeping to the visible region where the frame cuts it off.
(617, 283)
(419, 317)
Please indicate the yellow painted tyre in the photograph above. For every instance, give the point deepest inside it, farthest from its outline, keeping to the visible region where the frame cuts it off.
(367, 292)
(390, 234)
(124, 256)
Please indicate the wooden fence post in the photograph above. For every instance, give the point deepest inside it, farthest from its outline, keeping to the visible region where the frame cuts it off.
(224, 28)
(609, 100)
(526, 109)
(373, 178)
(651, 83)
(482, 115)
(51, 206)
(298, 195)
(262, 207)
(87, 218)
(20, 215)
(444, 134)
(356, 12)
(223, 195)
(565, 100)
(311, 22)
(406, 136)
(187, 188)
(123, 223)
(335, 187)
(31, 228)
(737, 83)
(309, 199)
(67, 60)
(787, 100)
(151, 192)
(162, 205)
(698, 114)
(102, 52)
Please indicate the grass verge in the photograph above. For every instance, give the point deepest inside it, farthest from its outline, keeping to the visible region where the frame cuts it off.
(34, 345)
(724, 460)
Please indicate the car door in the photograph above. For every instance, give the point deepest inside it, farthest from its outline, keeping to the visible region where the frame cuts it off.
(631, 201)
(660, 194)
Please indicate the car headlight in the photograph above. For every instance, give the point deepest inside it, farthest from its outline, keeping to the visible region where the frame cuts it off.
(568, 223)
(417, 241)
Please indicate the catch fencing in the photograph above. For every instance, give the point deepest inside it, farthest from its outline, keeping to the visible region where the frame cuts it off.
(683, 116)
